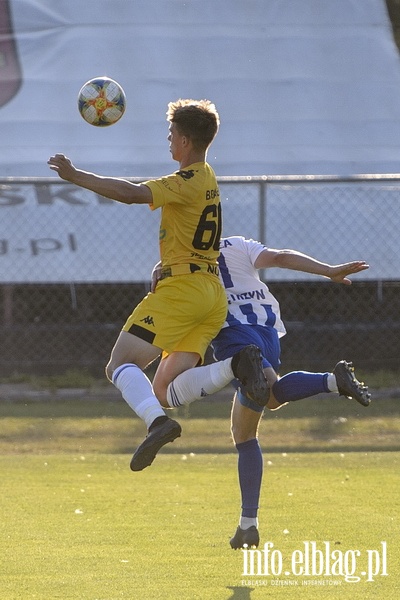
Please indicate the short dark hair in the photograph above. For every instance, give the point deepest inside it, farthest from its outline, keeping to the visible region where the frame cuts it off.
(196, 119)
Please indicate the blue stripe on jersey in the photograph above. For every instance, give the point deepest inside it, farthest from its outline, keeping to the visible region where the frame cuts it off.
(271, 316)
(231, 320)
(248, 312)
(226, 276)
(246, 309)
(251, 317)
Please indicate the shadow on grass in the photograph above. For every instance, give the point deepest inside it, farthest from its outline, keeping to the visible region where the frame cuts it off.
(240, 592)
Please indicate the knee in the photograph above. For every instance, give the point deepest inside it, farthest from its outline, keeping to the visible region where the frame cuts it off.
(272, 378)
(110, 369)
(242, 434)
(273, 403)
(160, 391)
(109, 372)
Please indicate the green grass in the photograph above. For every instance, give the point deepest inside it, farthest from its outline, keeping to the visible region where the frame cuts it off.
(84, 527)
(71, 378)
(81, 377)
(77, 524)
(109, 426)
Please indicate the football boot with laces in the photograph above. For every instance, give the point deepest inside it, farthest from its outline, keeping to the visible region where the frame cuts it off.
(348, 385)
(157, 437)
(248, 368)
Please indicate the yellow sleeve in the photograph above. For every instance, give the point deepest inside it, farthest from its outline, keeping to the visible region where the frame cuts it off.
(166, 190)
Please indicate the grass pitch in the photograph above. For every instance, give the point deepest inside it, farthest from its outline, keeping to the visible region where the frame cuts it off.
(76, 523)
(109, 426)
(82, 526)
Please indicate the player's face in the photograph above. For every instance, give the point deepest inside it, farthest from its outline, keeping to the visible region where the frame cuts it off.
(175, 142)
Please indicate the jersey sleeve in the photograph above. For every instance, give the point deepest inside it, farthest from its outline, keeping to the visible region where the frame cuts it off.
(253, 249)
(166, 190)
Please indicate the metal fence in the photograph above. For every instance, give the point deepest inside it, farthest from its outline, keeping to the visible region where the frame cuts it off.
(73, 265)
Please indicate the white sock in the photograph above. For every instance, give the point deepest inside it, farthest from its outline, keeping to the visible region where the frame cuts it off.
(199, 382)
(331, 383)
(246, 522)
(137, 391)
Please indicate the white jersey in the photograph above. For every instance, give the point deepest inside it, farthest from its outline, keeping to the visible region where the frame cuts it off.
(249, 300)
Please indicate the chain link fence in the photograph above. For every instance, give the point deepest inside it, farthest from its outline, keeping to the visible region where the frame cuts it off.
(73, 265)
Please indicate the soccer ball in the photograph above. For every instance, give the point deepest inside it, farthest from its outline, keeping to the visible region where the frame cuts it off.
(101, 101)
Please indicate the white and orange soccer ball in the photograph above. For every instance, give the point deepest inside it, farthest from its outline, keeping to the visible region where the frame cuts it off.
(101, 101)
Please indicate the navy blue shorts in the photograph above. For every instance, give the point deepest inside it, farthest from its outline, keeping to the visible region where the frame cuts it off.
(232, 339)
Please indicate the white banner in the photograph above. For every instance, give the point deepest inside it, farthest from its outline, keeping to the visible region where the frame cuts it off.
(59, 233)
(55, 232)
(302, 87)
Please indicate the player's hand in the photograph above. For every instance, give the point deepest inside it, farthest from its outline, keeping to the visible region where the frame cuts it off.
(63, 166)
(339, 273)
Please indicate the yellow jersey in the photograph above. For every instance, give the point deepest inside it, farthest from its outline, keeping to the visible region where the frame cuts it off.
(191, 222)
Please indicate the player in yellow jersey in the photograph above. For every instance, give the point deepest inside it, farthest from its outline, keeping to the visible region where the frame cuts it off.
(186, 311)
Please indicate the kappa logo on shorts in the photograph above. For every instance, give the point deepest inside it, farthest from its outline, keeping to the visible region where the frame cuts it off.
(148, 320)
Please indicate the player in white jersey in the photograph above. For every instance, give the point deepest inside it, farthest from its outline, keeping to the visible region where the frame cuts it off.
(254, 318)
(249, 300)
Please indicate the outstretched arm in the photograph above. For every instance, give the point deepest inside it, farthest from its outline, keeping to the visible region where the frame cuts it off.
(297, 261)
(110, 187)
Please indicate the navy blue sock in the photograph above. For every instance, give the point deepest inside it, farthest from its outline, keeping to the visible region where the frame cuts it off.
(250, 467)
(298, 385)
